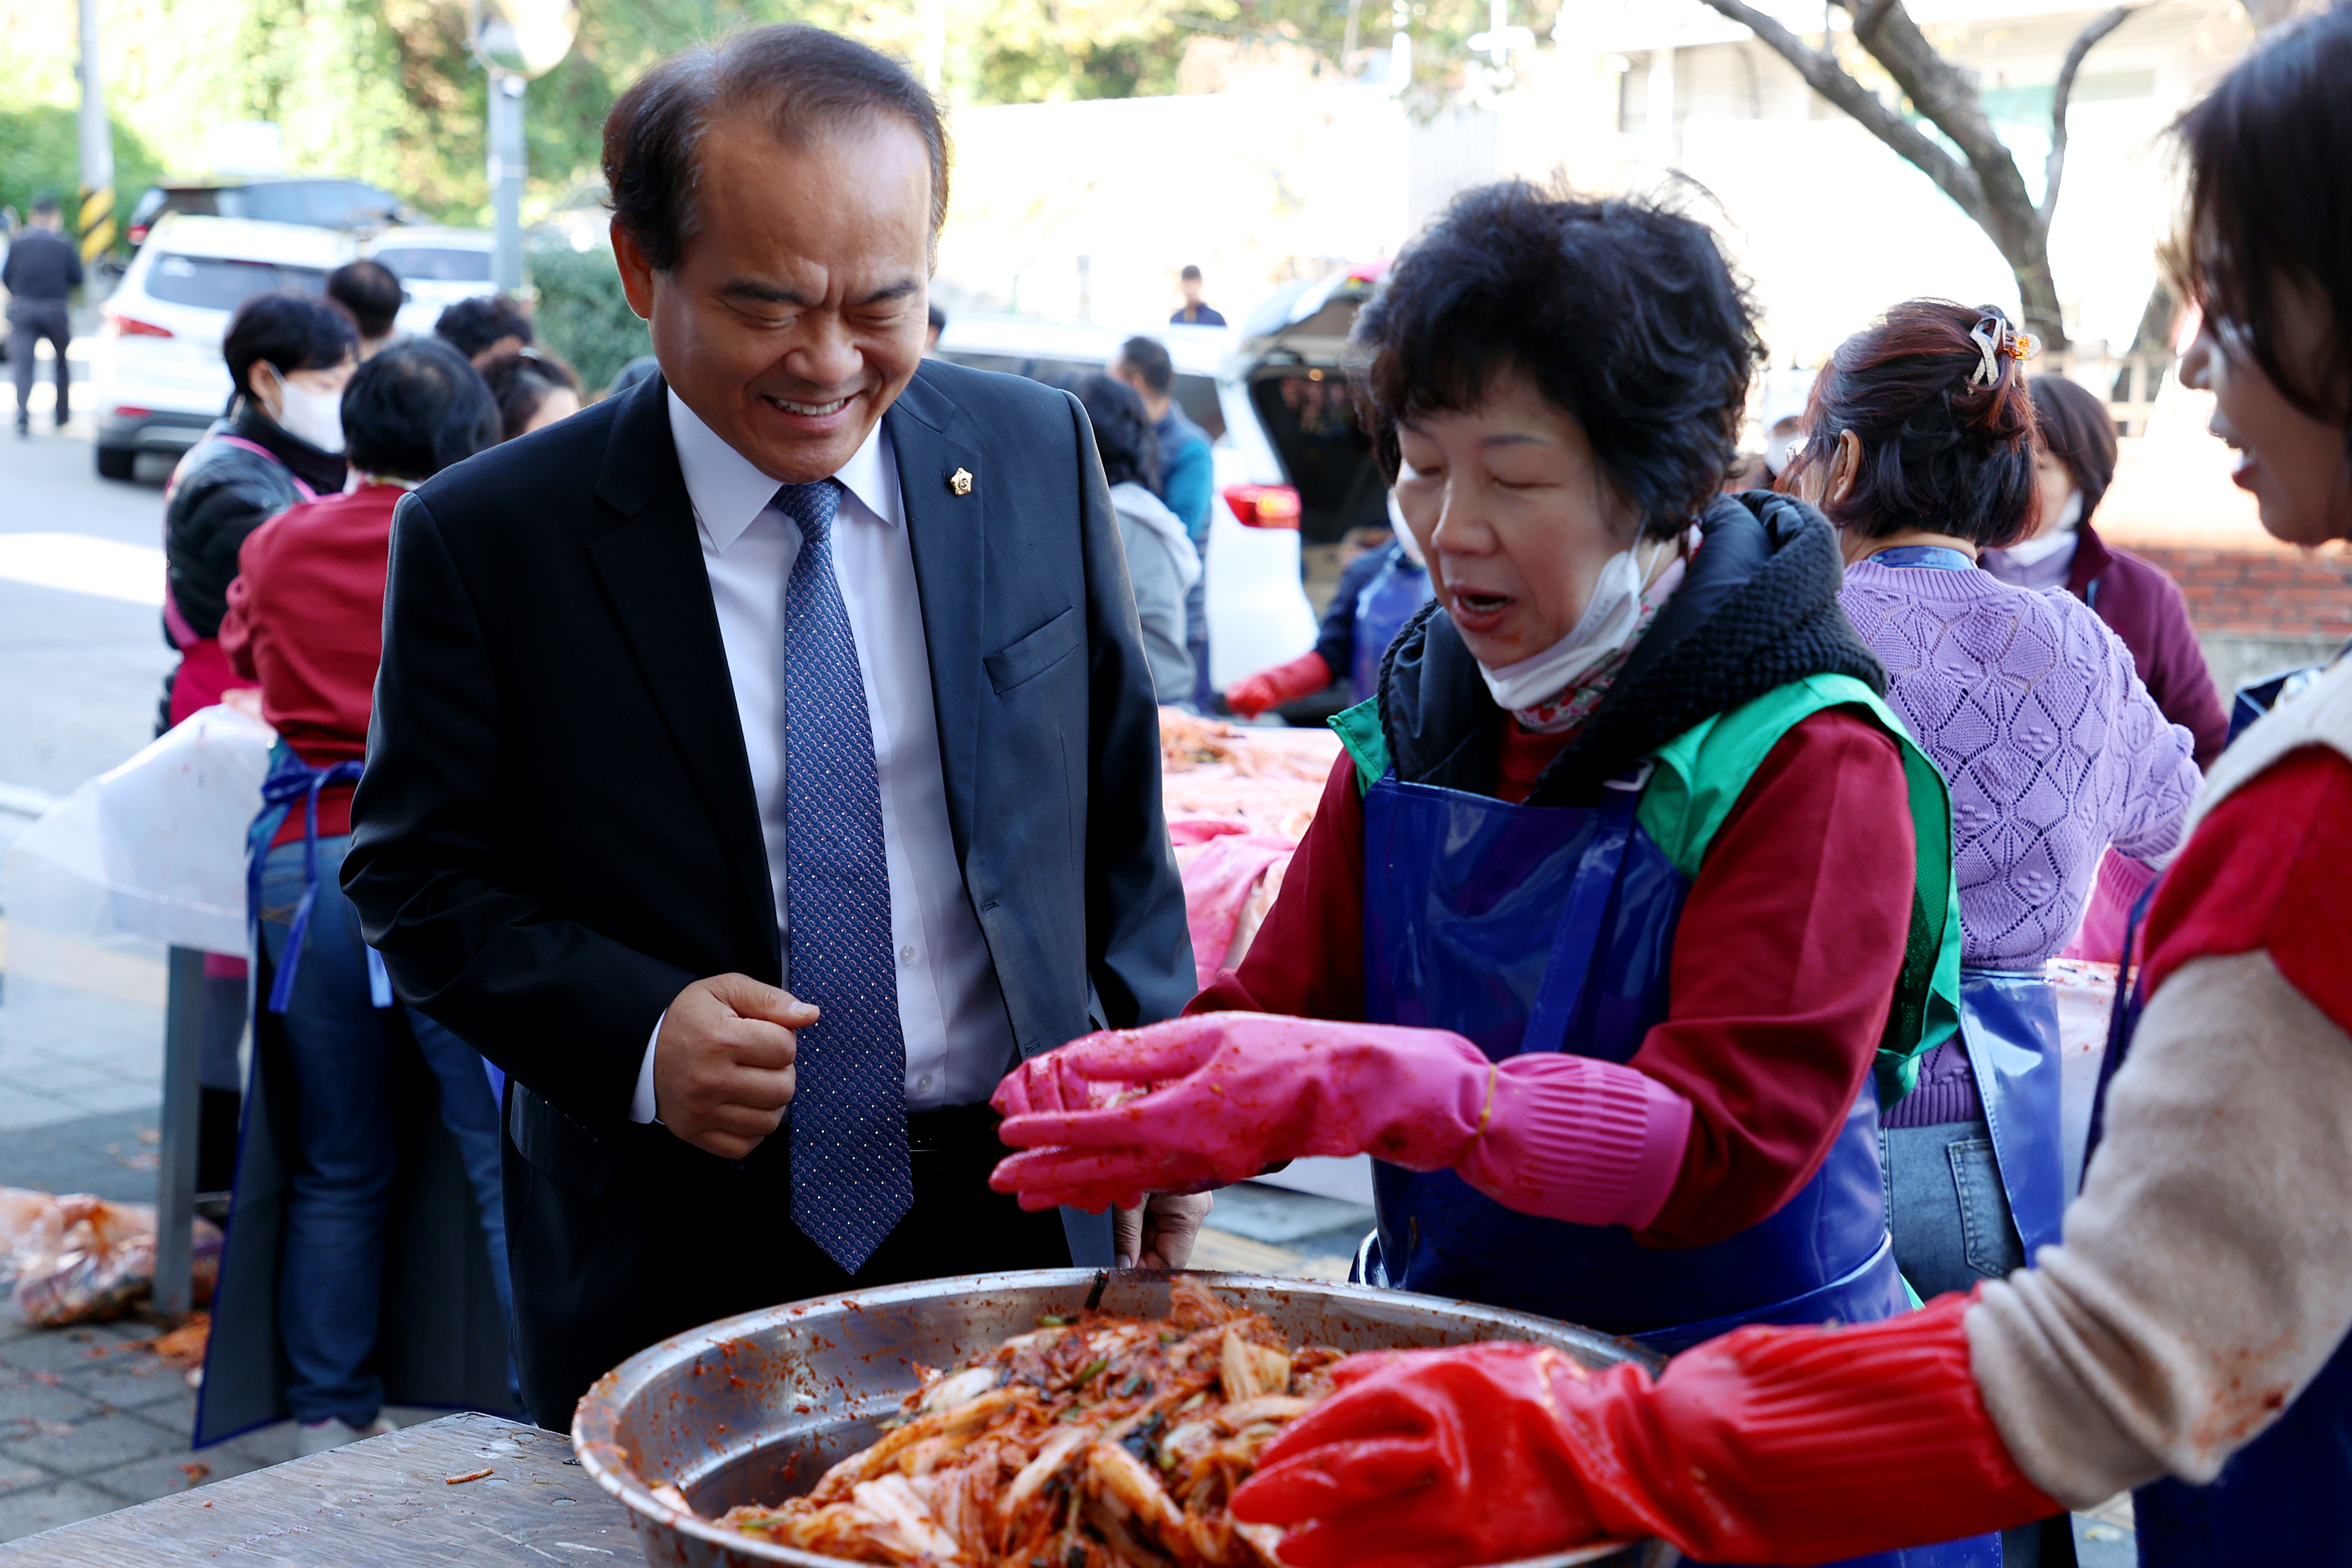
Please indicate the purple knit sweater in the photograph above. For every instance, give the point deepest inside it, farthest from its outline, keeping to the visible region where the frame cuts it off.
(2053, 751)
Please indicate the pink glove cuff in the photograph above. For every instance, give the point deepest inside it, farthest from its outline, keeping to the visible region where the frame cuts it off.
(1572, 1139)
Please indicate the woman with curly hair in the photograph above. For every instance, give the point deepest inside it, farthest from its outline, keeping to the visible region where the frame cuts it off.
(1629, 898)
(2191, 1337)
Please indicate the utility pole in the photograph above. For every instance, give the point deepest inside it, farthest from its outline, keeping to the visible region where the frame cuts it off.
(94, 220)
(509, 161)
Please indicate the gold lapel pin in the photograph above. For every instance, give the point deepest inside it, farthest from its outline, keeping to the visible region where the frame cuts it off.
(961, 481)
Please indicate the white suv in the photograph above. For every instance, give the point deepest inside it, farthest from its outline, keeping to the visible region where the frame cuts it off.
(157, 377)
(1256, 609)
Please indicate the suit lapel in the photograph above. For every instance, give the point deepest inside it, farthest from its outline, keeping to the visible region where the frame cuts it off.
(652, 571)
(946, 532)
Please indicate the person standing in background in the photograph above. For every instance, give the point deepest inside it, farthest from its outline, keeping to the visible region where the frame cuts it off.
(43, 267)
(305, 623)
(1186, 482)
(371, 293)
(2137, 599)
(1162, 565)
(1193, 313)
(485, 325)
(534, 387)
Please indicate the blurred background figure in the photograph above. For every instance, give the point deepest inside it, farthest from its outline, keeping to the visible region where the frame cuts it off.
(1378, 592)
(1193, 312)
(2137, 598)
(1185, 480)
(281, 441)
(373, 296)
(939, 323)
(485, 325)
(43, 267)
(629, 375)
(534, 387)
(305, 622)
(1161, 565)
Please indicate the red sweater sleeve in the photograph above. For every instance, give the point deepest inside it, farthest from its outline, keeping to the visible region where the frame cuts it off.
(2270, 868)
(238, 630)
(1784, 967)
(1308, 958)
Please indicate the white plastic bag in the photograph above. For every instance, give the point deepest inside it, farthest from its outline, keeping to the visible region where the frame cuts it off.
(171, 825)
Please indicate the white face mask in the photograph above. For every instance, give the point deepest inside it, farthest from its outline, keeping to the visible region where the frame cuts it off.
(1609, 618)
(314, 416)
(1405, 540)
(1777, 448)
(2034, 551)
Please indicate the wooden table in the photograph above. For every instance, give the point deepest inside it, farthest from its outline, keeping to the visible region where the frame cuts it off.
(384, 1503)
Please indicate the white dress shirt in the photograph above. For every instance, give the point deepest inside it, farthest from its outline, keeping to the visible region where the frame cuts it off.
(950, 1010)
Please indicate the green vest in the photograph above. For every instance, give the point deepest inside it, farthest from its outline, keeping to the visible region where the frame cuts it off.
(1699, 777)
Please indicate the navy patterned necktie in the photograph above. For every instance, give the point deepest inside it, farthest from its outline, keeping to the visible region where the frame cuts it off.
(850, 1180)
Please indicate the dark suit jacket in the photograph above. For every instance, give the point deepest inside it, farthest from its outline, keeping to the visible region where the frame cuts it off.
(557, 829)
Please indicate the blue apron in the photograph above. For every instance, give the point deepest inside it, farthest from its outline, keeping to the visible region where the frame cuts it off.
(1382, 607)
(2287, 1497)
(292, 778)
(2009, 1023)
(1527, 928)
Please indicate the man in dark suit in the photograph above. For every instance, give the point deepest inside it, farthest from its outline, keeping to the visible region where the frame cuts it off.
(765, 760)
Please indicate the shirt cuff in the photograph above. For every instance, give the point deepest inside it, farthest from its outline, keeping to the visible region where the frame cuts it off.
(641, 1104)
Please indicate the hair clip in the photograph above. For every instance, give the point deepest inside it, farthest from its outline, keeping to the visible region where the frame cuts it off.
(1994, 337)
(2023, 345)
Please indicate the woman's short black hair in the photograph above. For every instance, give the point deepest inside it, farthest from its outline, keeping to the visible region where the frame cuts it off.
(414, 409)
(521, 380)
(292, 331)
(2077, 430)
(1624, 313)
(1943, 448)
(800, 81)
(2270, 205)
(369, 291)
(469, 326)
(1123, 434)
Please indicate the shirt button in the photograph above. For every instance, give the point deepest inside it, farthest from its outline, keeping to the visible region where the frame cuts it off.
(924, 1081)
(906, 955)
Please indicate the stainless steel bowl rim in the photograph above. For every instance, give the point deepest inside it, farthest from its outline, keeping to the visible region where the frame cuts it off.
(596, 1445)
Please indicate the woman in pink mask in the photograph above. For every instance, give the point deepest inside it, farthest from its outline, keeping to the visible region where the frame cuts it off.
(2191, 1336)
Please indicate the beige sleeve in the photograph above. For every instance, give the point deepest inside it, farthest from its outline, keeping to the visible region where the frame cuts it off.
(2206, 1275)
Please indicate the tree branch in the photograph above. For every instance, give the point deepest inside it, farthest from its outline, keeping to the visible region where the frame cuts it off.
(1826, 77)
(2083, 43)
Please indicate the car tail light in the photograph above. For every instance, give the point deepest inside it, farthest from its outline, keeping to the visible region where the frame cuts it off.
(1263, 506)
(132, 327)
(137, 233)
(124, 411)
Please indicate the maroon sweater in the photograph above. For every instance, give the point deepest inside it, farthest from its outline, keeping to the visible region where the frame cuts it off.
(1784, 963)
(2142, 605)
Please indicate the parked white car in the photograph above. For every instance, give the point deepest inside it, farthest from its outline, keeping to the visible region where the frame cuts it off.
(1257, 610)
(437, 268)
(157, 378)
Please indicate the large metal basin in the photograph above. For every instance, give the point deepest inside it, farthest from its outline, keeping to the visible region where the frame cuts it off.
(754, 1409)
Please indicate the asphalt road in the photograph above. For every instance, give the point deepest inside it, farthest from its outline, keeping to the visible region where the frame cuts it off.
(82, 655)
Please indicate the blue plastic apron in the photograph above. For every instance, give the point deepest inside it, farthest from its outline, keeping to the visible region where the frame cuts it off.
(1529, 929)
(2287, 1497)
(2008, 1022)
(1382, 607)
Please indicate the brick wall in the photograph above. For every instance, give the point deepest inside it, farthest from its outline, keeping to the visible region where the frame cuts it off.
(2271, 594)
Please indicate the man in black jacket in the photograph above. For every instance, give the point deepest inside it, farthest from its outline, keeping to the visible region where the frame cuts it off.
(765, 760)
(43, 267)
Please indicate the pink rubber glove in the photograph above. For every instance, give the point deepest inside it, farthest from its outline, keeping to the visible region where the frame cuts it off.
(1204, 1101)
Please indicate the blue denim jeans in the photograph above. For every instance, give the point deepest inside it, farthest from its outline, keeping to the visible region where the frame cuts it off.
(340, 1170)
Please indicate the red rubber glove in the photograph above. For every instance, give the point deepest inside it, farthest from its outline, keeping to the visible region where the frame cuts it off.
(1302, 677)
(1202, 1102)
(1790, 1446)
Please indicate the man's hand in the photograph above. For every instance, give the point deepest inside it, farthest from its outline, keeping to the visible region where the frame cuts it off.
(1160, 1233)
(723, 1062)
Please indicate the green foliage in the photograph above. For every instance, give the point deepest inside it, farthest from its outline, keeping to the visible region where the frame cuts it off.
(582, 315)
(40, 151)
